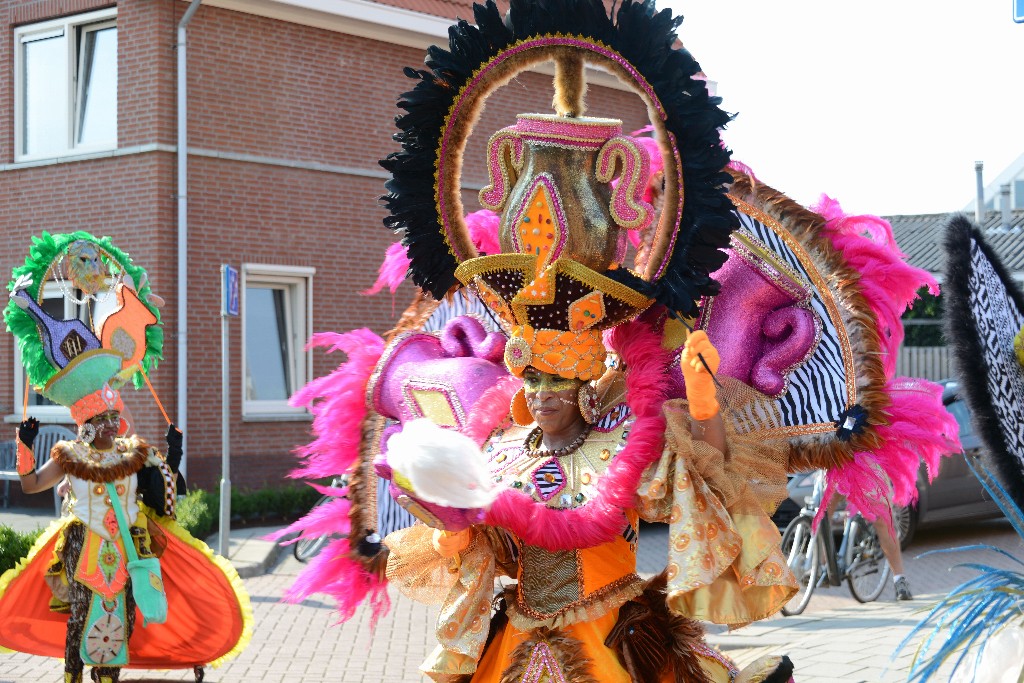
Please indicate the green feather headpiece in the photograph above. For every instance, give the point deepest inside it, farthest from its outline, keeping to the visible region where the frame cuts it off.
(41, 264)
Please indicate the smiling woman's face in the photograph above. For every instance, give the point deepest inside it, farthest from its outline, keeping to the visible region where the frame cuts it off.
(552, 401)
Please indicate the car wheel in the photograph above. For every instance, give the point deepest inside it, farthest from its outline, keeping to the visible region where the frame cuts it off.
(905, 521)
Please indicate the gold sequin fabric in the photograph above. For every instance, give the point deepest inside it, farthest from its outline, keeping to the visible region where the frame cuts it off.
(725, 565)
(550, 580)
(464, 593)
(575, 478)
(562, 588)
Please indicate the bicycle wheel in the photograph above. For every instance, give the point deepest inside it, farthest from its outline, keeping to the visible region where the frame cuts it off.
(803, 555)
(306, 548)
(904, 520)
(867, 569)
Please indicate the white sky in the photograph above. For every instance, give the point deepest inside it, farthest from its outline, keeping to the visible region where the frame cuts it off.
(884, 106)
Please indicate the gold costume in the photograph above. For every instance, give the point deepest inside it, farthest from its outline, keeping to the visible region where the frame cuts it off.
(724, 562)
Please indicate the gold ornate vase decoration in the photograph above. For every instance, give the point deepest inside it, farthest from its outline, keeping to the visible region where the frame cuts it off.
(564, 164)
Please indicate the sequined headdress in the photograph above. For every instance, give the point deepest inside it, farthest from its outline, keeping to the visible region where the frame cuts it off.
(567, 186)
(76, 363)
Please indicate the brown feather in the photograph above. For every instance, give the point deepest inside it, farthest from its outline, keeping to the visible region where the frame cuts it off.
(570, 85)
(567, 651)
(651, 640)
(128, 464)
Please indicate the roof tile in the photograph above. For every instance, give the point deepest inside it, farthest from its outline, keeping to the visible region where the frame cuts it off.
(920, 237)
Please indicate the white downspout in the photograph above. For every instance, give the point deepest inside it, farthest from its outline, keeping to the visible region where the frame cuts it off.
(182, 410)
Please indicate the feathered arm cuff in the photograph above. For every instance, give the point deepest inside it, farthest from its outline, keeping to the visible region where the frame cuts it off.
(26, 460)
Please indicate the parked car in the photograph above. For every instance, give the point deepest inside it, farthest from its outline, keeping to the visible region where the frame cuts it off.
(954, 495)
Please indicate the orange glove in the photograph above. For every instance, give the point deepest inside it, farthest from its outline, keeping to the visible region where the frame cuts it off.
(700, 386)
(449, 544)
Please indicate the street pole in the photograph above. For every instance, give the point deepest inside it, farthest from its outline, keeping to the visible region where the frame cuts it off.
(229, 307)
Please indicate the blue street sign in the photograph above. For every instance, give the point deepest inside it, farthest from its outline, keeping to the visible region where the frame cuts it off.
(230, 295)
(1018, 11)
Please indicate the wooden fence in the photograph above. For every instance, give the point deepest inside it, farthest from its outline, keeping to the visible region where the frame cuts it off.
(929, 362)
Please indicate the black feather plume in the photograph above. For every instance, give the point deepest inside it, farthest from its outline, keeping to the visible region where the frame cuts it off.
(643, 36)
(961, 329)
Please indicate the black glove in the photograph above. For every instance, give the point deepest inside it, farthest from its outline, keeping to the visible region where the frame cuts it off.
(28, 430)
(174, 441)
(150, 485)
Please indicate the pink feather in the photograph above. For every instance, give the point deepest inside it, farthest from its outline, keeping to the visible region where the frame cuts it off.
(491, 408)
(392, 270)
(741, 167)
(919, 429)
(603, 518)
(888, 282)
(483, 230)
(657, 162)
(322, 520)
(334, 573)
(338, 404)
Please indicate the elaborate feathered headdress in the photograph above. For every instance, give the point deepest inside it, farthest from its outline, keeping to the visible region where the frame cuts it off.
(77, 364)
(561, 278)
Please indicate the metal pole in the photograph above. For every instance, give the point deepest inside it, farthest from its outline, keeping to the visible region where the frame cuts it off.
(182, 346)
(225, 426)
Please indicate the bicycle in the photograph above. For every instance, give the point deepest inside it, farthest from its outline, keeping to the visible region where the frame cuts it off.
(812, 555)
(306, 549)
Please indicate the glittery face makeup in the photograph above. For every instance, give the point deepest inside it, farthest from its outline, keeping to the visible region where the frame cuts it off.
(552, 401)
(535, 382)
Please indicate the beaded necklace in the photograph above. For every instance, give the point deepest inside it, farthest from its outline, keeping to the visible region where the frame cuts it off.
(531, 445)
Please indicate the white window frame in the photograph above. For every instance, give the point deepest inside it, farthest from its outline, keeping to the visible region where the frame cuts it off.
(68, 27)
(299, 283)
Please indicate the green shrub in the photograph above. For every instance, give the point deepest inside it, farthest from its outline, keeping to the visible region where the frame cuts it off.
(197, 512)
(295, 501)
(286, 502)
(14, 545)
(242, 506)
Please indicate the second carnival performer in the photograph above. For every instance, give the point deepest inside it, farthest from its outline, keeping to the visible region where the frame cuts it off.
(532, 436)
(577, 610)
(117, 550)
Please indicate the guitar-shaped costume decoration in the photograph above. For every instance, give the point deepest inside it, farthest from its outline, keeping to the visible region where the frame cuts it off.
(63, 340)
(75, 595)
(444, 420)
(98, 271)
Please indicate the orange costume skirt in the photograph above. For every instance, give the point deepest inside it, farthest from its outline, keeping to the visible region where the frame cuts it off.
(209, 618)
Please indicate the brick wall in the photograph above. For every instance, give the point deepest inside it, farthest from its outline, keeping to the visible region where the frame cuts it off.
(258, 87)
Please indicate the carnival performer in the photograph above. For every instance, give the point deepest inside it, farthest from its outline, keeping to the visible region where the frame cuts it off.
(533, 452)
(584, 613)
(117, 549)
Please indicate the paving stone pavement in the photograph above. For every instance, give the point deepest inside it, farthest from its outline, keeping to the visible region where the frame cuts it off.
(835, 640)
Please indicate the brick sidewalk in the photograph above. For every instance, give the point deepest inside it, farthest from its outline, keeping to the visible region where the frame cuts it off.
(299, 643)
